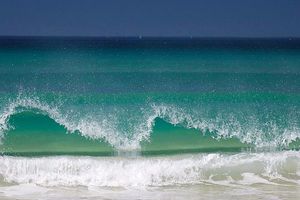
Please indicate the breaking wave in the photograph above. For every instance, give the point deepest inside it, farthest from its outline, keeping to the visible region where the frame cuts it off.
(140, 129)
(224, 169)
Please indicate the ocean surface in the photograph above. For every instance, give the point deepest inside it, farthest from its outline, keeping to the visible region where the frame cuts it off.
(149, 118)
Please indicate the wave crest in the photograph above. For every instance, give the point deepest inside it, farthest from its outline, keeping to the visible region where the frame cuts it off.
(86, 127)
(141, 125)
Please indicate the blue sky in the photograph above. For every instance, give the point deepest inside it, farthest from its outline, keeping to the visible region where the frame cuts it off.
(203, 18)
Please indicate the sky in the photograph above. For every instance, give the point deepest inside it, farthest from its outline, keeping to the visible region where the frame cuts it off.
(177, 18)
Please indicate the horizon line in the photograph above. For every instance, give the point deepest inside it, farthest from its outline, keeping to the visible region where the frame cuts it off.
(147, 37)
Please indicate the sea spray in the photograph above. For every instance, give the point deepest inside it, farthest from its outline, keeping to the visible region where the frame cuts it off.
(139, 126)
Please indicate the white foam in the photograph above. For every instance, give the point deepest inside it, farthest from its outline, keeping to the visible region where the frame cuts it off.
(23, 190)
(238, 169)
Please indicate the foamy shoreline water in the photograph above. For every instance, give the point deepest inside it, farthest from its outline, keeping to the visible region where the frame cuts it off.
(244, 175)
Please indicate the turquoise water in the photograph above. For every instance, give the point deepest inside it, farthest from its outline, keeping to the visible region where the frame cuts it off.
(131, 103)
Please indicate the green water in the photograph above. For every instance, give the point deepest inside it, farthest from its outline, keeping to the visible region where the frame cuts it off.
(149, 118)
(44, 136)
(151, 96)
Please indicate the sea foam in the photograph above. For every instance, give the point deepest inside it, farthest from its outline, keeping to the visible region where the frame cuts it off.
(237, 169)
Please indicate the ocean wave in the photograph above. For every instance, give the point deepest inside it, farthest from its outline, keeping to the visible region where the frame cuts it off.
(107, 128)
(86, 127)
(221, 169)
